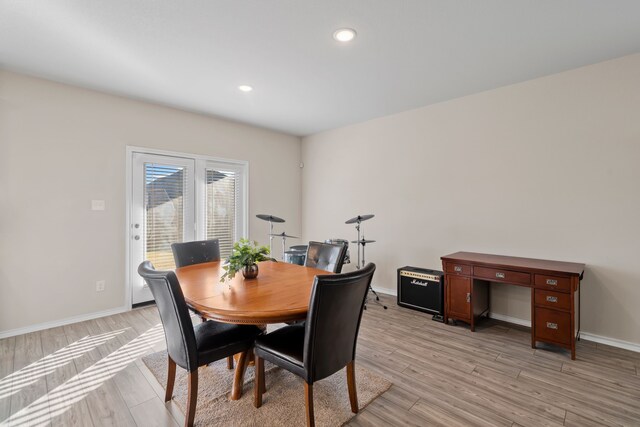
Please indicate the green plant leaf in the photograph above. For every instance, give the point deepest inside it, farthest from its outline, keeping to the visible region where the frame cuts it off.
(244, 253)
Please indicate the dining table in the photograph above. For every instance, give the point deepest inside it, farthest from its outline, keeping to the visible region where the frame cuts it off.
(279, 294)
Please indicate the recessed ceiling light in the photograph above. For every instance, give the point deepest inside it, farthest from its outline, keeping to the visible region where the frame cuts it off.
(245, 88)
(344, 34)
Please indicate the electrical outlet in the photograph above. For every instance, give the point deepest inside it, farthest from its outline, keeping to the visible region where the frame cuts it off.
(100, 285)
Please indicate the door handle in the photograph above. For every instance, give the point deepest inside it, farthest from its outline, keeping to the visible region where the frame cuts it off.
(552, 325)
(500, 275)
(468, 297)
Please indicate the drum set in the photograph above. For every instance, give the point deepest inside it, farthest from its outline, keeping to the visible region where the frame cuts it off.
(284, 236)
(296, 254)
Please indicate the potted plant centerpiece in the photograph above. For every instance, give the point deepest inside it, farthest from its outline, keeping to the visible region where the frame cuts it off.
(244, 257)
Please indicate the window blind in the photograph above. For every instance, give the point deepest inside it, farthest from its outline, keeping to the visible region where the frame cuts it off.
(222, 192)
(164, 195)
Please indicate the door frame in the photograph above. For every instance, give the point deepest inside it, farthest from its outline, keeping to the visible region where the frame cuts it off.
(130, 149)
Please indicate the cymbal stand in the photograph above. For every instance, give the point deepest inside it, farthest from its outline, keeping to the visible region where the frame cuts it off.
(360, 265)
(358, 228)
(284, 244)
(377, 300)
(270, 237)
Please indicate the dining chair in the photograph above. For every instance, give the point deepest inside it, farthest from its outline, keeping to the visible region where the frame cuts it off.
(326, 256)
(196, 252)
(190, 346)
(325, 343)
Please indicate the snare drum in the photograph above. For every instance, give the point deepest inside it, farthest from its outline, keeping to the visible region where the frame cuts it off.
(296, 254)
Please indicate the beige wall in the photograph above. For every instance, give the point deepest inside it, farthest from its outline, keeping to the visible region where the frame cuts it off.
(548, 168)
(61, 147)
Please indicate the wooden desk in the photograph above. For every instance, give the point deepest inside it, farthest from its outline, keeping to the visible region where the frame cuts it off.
(279, 294)
(555, 285)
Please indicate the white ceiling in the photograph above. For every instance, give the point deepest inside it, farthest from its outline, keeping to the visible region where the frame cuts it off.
(408, 53)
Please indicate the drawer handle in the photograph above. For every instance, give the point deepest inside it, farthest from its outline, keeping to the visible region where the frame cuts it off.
(552, 299)
(500, 275)
(552, 282)
(457, 268)
(552, 325)
(468, 297)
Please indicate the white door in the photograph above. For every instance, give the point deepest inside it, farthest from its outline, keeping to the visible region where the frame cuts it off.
(162, 213)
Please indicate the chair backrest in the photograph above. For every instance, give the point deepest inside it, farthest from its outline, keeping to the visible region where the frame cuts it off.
(333, 321)
(326, 256)
(189, 253)
(174, 314)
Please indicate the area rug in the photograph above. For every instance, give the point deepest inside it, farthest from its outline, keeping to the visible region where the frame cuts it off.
(282, 404)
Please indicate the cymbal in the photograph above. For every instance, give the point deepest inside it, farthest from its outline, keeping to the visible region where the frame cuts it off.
(284, 235)
(362, 241)
(270, 218)
(359, 218)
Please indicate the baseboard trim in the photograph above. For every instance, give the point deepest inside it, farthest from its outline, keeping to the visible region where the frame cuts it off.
(392, 292)
(509, 319)
(613, 342)
(62, 322)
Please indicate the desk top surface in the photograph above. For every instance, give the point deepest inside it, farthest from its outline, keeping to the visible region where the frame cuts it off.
(541, 265)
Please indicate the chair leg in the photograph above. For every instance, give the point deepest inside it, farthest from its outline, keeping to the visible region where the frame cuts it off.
(263, 380)
(171, 379)
(229, 362)
(308, 398)
(258, 385)
(192, 399)
(351, 384)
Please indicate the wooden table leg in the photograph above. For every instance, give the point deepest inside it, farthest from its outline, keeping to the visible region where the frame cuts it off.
(238, 378)
(250, 358)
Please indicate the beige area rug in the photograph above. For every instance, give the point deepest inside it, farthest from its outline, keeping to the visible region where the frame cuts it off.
(282, 404)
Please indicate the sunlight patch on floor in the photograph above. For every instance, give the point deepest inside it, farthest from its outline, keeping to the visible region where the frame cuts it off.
(28, 375)
(60, 399)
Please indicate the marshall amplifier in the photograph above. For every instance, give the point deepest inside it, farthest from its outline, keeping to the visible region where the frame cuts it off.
(422, 289)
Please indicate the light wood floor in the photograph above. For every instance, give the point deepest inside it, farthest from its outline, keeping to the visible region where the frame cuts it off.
(90, 373)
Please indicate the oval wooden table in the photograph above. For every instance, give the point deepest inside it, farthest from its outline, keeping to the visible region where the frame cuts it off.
(279, 294)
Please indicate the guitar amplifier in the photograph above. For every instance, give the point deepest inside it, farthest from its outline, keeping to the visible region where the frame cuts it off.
(422, 289)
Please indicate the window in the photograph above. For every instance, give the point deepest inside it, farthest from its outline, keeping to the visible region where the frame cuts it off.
(222, 203)
(165, 190)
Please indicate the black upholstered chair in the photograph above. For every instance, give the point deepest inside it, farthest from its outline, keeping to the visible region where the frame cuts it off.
(191, 346)
(326, 256)
(325, 343)
(198, 252)
(189, 253)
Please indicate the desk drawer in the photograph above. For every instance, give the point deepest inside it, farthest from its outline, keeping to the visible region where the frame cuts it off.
(552, 282)
(455, 268)
(553, 299)
(506, 276)
(552, 326)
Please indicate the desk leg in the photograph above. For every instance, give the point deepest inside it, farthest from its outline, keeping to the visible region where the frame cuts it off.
(533, 318)
(238, 378)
